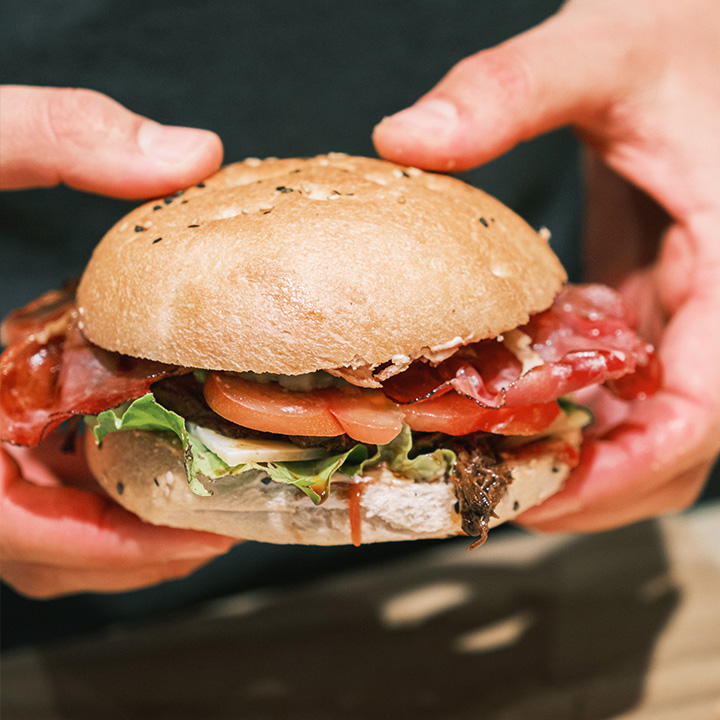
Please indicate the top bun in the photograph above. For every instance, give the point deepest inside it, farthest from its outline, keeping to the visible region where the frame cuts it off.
(290, 266)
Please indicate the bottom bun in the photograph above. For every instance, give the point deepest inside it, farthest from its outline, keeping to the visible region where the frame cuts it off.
(145, 474)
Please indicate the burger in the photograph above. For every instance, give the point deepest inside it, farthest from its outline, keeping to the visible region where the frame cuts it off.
(323, 351)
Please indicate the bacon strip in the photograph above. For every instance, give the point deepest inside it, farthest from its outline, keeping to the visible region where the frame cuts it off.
(33, 317)
(585, 338)
(47, 377)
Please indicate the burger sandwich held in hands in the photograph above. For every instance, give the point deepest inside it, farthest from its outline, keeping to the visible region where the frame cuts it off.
(322, 351)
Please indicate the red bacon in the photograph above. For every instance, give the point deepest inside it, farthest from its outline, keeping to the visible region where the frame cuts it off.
(48, 376)
(585, 338)
(33, 317)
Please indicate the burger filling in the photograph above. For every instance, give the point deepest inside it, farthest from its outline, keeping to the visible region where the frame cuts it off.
(455, 417)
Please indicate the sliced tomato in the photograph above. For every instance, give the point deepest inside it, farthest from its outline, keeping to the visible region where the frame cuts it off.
(366, 415)
(455, 414)
(270, 407)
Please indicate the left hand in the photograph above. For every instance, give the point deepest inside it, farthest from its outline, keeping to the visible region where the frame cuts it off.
(59, 533)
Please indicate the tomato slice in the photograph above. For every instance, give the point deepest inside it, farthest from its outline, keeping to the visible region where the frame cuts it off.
(366, 415)
(270, 407)
(455, 414)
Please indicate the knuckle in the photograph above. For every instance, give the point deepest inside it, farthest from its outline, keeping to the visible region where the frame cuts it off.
(75, 116)
(501, 73)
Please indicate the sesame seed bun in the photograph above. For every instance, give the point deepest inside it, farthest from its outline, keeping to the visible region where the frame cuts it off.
(290, 266)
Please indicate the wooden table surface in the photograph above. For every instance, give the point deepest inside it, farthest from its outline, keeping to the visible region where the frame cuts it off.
(624, 624)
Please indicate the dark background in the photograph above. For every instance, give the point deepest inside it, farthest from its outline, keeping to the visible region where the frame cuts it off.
(271, 77)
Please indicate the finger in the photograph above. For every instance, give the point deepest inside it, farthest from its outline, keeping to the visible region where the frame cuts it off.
(499, 97)
(86, 140)
(67, 527)
(674, 496)
(47, 581)
(647, 466)
(58, 460)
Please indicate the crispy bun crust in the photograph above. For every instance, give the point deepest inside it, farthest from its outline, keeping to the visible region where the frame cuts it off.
(145, 474)
(289, 266)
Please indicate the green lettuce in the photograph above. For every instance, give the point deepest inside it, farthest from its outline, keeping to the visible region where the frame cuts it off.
(313, 477)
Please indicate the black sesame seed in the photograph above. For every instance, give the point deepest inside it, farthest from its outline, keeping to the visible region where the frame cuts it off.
(139, 228)
(155, 480)
(405, 174)
(120, 488)
(200, 185)
(265, 212)
(167, 200)
(265, 481)
(157, 240)
(283, 189)
(457, 506)
(516, 506)
(193, 226)
(183, 202)
(157, 207)
(483, 221)
(178, 193)
(556, 469)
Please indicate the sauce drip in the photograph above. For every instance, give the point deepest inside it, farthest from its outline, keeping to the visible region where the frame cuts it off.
(355, 491)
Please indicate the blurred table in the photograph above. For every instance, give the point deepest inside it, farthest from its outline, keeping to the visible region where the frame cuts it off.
(624, 624)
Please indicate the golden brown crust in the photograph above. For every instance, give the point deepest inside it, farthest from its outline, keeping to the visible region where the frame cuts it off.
(295, 265)
(145, 474)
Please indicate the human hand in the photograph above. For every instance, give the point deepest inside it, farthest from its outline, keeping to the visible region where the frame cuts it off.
(86, 140)
(636, 82)
(58, 532)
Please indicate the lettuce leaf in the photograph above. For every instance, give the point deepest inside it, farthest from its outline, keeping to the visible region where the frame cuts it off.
(313, 477)
(146, 414)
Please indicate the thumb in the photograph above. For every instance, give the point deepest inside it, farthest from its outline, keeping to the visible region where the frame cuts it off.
(490, 101)
(90, 142)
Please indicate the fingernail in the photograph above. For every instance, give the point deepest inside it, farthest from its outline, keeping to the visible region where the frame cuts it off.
(428, 116)
(171, 145)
